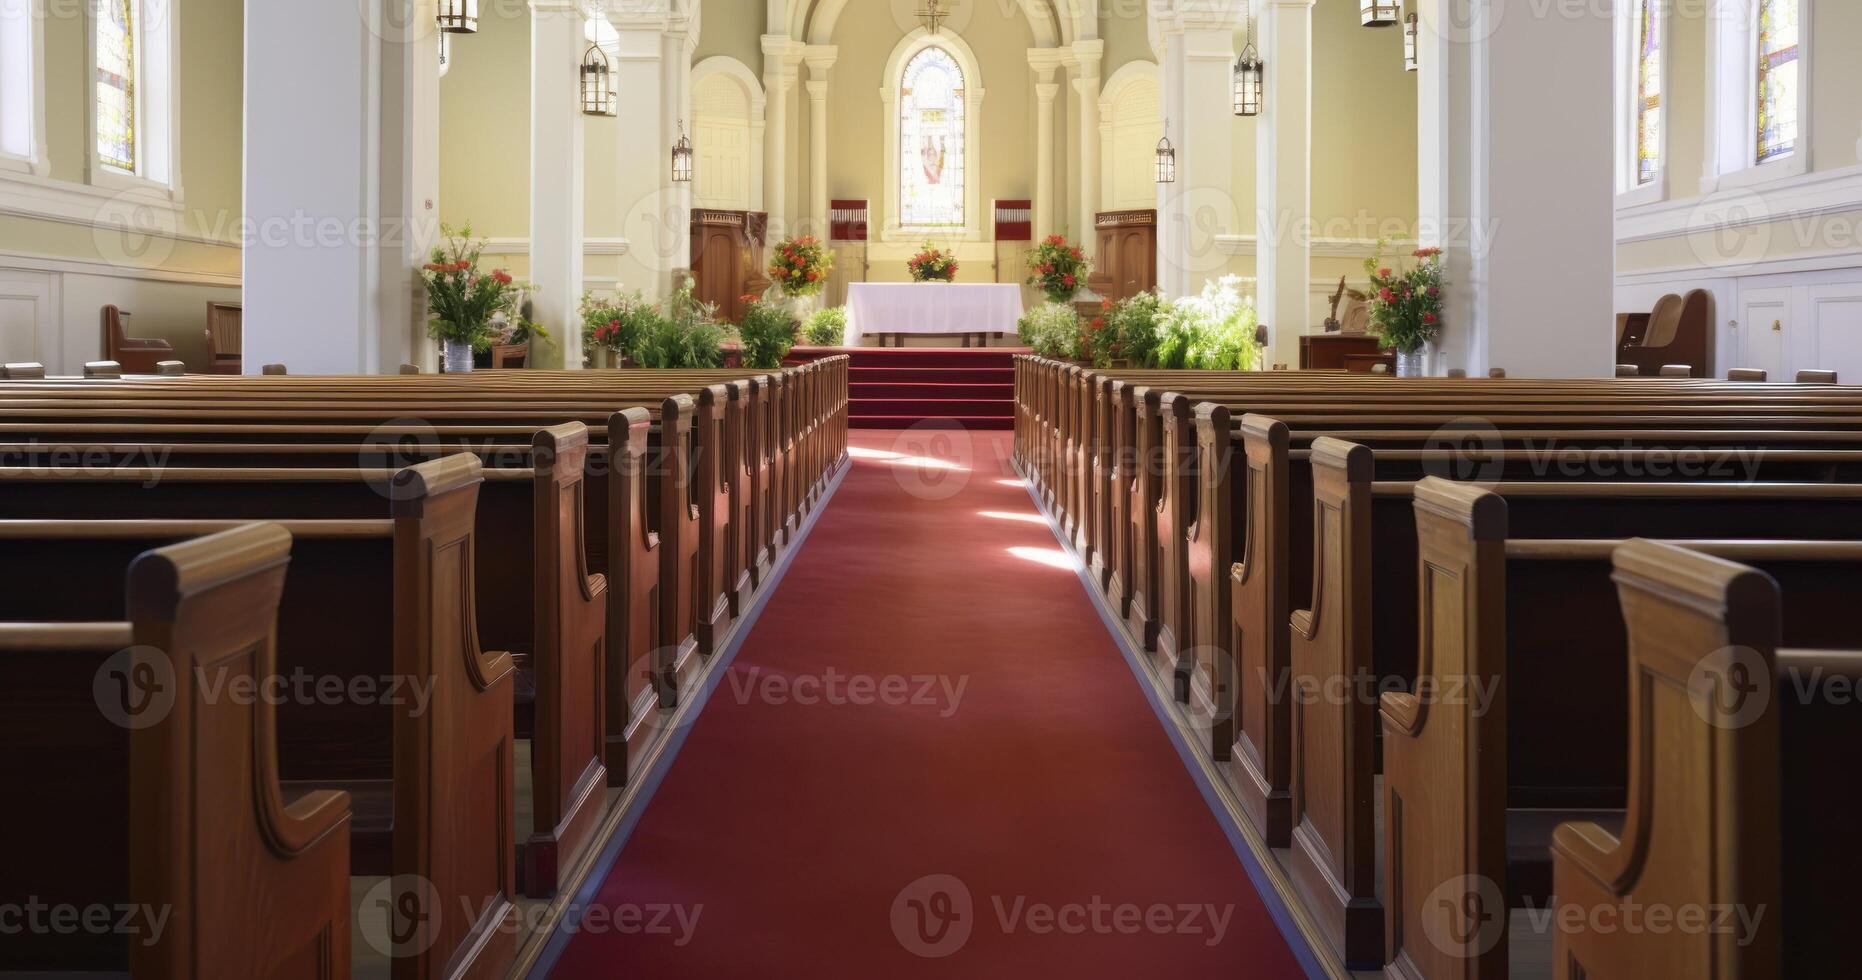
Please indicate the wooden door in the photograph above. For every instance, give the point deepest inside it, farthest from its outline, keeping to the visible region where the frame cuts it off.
(1125, 260)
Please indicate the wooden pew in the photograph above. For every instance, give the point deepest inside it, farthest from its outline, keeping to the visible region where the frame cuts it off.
(1488, 739)
(1335, 755)
(167, 801)
(1738, 802)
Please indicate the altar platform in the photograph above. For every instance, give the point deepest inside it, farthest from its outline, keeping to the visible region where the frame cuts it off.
(926, 387)
(892, 311)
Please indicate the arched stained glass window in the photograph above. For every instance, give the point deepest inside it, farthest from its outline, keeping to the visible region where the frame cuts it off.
(115, 26)
(931, 142)
(1779, 79)
(1648, 91)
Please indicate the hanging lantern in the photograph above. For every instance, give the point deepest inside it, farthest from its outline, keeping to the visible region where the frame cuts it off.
(1381, 13)
(458, 16)
(1249, 73)
(446, 52)
(1410, 37)
(597, 83)
(1166, 160)
(682, 157)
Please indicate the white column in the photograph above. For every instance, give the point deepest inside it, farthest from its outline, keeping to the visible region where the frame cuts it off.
(1198, 207)
(1510, 216)
(1283, 177)
(1086, 85)
(820, 61)
(676, 113)
(556, 250)
(1044, 92)
(643, 161)
(341, 183)
(779, 76)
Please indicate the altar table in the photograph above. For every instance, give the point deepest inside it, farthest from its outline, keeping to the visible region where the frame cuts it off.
(889, 309)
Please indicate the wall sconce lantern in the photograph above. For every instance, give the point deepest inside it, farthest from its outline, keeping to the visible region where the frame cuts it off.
(1381, 13)
(458, 16)
(1249, 75)
(1166, 159)
(682, 157)
(597, 83)
(1410, 38)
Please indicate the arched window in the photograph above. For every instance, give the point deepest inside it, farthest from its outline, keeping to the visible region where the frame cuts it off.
(1778, 79)
(932, 169)
(116, 77)
(1648, 91)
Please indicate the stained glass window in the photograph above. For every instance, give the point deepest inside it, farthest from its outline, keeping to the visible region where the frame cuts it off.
(931, 147)
(1779, 77)
(116, 83)
(1648, 91)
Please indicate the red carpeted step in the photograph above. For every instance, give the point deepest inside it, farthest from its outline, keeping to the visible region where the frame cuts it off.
(860, 387)
(991, 424)
(980, 357)
(934, 375)
(931, 407)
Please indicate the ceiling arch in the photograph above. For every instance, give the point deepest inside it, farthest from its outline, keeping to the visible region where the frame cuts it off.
(814, 21)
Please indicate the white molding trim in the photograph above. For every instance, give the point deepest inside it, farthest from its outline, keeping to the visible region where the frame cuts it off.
(590, 246)
(1847, 259)
(1828, 192)
(35, 262)
(1320, 248)
(976, 224)
(145, 210)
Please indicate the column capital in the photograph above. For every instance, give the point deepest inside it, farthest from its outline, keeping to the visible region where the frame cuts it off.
(1045, 92)
(820, 58)
(1046, 61)
(1085, 56)
(817, 91)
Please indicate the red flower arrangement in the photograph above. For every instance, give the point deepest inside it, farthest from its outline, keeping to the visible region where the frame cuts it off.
(800, 266)
(1058, 268)
(461, 301)
(933, 264)
(1406, 307)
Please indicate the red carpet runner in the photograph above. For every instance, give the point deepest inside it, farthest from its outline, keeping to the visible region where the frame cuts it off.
(928, 760)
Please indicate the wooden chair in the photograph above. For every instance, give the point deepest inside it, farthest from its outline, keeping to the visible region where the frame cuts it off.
(23, 371)
(1674, 332)
(104, 369)
(137, 355)
(1816, 377)
(1746, 374)
(224, 338)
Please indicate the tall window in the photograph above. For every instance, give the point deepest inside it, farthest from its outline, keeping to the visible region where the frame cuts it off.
(931, 142)
(116, 53)
(1648, 91)
(1778, 79)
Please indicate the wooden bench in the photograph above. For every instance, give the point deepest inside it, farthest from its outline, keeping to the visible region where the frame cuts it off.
(1736, 805)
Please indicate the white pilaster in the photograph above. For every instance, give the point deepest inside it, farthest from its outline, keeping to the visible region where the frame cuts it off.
(820, 62)
(676, 114)
(556, 45)
(779, 76)
(341, 184)
(1283, 177)
(642, 163)
(1198, 57)
(1044, 63)
(1526, 233)
(1087, 55)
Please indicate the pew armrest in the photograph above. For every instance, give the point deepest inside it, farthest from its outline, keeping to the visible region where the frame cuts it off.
(1403, 714)
(306, 820)
(1591, 849)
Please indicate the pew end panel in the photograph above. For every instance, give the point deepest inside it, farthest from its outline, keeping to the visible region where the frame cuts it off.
(568, 777)
(1445, 841)
(1210, 541)
(1174, 514)
(1262, 611)
(679, 545)
(458, 755)
(636, 680)
(1692, 619)
(206, 607)
(1334, 848)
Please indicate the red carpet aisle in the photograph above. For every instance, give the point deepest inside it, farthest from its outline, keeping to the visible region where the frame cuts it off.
(929, 760)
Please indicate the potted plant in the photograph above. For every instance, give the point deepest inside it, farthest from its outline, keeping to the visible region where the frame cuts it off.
(1051, 330)
(1212, 331)
(933, 264)
(1058, 268)
(686, 336)
(1406, 307)
(798, 268)
(827, 328)
(616, 325)
(462, 302)
(765, 334)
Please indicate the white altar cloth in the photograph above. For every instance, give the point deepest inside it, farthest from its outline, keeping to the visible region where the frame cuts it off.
(931, 308)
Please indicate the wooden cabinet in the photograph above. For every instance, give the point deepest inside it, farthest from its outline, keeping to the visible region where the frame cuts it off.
(1342, 352)
(727, 258)
(1124, 254)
